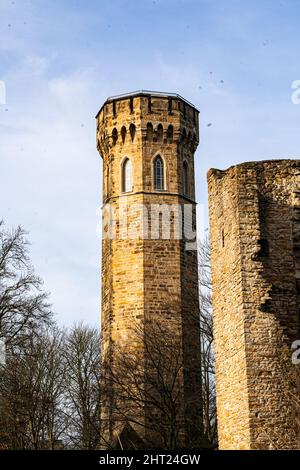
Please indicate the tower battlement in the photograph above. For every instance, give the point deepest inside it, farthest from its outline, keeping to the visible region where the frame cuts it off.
(141, 126)
(152, 116)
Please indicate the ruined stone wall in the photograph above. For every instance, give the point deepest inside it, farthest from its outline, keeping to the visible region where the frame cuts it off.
(254, 256)
(148, 278)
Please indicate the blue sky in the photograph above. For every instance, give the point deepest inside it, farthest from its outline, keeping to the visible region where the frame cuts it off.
(235, 60)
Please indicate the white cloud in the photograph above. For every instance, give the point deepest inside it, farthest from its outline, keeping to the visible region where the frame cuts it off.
(51, 181)
(59, 68)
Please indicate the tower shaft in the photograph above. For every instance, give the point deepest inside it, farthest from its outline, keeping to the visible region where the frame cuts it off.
(150, 311)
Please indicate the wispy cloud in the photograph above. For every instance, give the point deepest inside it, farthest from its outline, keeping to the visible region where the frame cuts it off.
(60, 60)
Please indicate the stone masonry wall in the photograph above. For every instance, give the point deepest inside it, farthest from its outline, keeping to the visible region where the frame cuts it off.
(254, 234)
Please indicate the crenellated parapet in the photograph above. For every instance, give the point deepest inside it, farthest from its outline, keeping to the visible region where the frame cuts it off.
(157, 117)
(139, 127)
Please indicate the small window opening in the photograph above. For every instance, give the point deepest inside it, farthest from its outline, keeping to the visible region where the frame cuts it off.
(170, 133)
(123, 134)
(185, 178)
(149, 135)
(127, 176)
(114, 136)
(132, 131)
(264, 248)
(160, 132)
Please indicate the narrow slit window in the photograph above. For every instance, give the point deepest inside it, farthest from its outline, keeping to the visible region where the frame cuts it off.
(149, 136)
(107, 181)
(132, 132)
(264, 248)
(185, 178)
(123, 134)
(127, 176)
(114, 136)
(160, 133)
(170, 134)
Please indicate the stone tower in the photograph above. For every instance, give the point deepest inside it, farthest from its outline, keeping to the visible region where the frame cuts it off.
(147, 142)
(255, 254)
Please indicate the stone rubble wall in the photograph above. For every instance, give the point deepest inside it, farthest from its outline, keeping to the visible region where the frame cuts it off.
(254, 229)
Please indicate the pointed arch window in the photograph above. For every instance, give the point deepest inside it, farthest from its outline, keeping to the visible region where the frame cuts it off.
(170, 131)
(123, 134)
(114, 136)
(149, 136)
(185, 178)
(132, 130)
(127, 176)
(158, 171)
(160, 133)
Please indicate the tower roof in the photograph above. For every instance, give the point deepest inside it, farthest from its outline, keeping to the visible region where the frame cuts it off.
(146, 93)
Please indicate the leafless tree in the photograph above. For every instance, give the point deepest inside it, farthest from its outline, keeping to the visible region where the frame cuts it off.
(82, 379)
(32, 386)
(50, 387)
(207, 341)
(50, 391)
(148, 378)
(23, 303)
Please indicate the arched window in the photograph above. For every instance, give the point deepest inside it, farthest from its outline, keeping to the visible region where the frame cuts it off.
(185, 178)
(132, 131)
(114, 136)
(158, 170)
(170, 134)
(127, 176)
(149, 132)
(160, 133)
(123, 134)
